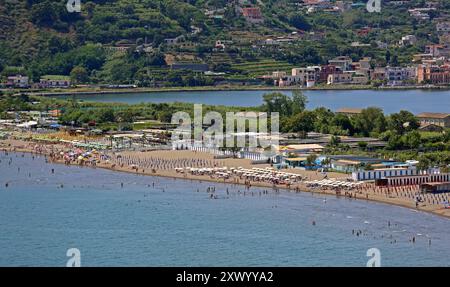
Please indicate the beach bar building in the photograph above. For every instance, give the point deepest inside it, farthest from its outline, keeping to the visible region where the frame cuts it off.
(296, 161)
(392, 173)
(351, 163)
(300, 149)
(417, 179)
(435, 187)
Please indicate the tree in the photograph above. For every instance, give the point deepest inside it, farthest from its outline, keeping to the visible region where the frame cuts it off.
(395, 142)
(323, 119)
(79, 75)
(362, 145)
(402, 122)
(445, 168)
(43, 13)
(342, 122)
(311, 160)
(302, 122)
(412, 139)
(334, 141)
(370, 120)
(368, 166)
(277, 102)
(299, 101)
(118, 70)
(326, 162)
(394, 61)
(165, 116)
(157, 59)
(283, 104)
(299, 22)
(105, 115)
(424, 163)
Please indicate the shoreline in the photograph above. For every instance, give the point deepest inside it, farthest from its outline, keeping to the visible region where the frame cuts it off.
(299, 187)
(100, 91)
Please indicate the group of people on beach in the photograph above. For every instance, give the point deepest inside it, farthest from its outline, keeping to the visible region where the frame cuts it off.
(68, 154)
(158, 163)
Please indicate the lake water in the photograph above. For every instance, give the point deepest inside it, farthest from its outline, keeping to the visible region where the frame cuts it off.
(171, 224)
(390, 101)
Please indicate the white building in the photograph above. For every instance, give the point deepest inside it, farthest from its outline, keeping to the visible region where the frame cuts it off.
(342, 78)
(408, 40)
(308, 76)
(17, 81)
(400, 74)
(344, 62)
(389, 172)
(443, 27)
(289, 81)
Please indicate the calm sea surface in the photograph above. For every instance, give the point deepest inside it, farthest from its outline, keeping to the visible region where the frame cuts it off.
(390, 101)
(42, 215)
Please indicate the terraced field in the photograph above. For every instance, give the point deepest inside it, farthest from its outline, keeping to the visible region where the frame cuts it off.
(263, 67)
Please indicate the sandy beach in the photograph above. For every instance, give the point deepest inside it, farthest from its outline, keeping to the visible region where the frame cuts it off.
(164, 163)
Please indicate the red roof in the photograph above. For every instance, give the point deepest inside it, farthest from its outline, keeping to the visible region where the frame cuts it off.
(252, 12)
(433, 115)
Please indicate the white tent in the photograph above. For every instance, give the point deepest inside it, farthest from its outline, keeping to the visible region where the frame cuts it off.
(27, 125)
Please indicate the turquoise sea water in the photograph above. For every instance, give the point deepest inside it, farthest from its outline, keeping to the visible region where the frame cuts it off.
(390, 101)
(173, 224)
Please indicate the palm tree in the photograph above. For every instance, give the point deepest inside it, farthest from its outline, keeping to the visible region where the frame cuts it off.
(311, 159)
(326, 162)
(144, 139)
(423, 164)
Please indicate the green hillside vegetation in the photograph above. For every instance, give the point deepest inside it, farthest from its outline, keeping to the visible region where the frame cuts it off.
(41, 38)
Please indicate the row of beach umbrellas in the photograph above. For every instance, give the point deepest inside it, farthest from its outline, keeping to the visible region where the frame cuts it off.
(333, 183)
(259, 174)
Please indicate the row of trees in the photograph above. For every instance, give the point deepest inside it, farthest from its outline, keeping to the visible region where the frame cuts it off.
(400, 129)
(370, 122)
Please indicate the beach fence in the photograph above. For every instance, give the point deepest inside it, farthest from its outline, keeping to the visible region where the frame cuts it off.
(256, 157)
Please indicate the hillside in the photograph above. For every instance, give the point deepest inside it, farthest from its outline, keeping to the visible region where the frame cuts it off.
(128, 41)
